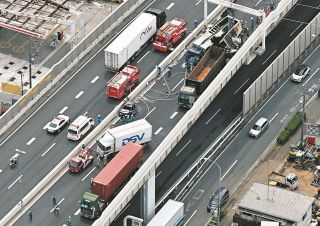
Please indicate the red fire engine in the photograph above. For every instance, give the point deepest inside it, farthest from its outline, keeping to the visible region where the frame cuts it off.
(122, 83)
(169, 34)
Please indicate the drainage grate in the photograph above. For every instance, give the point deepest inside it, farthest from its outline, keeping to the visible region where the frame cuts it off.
(24, 67)
(6, 68)
(25, 83)
(20, 72)
(33, 76)
(12, 79)
(11, 63)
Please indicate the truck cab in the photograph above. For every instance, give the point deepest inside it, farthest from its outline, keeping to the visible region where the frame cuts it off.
(284, 181)
(187, 96)
(91, 206)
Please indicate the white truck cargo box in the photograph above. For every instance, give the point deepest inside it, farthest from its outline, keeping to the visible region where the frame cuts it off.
(139, 132)
(171, 214)
(130, 41)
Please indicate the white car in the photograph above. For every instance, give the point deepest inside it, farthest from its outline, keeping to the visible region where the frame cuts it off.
(259, 127)
(57, 123)
(301, 72)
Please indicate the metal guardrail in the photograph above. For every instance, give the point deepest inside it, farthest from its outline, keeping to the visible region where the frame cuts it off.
(148, 168)
(92, 136)
(216, 145)
(59, 70)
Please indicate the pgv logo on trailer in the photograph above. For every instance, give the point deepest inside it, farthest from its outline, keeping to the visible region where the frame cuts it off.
(133, 139)
(145, 32)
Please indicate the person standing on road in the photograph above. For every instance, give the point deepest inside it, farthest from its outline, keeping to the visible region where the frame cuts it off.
(56, 210)
(54, 200)
(30, 215)
(69, 221)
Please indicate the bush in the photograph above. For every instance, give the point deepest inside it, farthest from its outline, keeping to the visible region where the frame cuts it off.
(283, 137)
(295, 122)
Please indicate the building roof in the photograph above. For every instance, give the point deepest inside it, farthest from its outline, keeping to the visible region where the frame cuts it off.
(283, 204)
(36, 18)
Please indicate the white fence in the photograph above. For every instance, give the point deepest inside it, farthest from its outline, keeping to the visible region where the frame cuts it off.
(253, 96)
(149, 167)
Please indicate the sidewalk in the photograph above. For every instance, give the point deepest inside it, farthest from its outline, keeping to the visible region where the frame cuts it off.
(275, 158)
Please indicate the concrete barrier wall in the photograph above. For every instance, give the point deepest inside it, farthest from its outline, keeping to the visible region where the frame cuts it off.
(265, 83)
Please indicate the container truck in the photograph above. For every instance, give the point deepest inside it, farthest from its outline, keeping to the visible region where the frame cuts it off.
(171, 214)
(283, 181)
(201, 76)
(133, 38)
(139, 132)
(110, 180)
(122, 83)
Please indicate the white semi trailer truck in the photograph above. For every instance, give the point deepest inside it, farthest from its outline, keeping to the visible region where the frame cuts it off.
(114, 139)
(171, 214)
(127, 45)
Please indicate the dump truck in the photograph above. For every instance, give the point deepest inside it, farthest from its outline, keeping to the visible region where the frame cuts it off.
(223, 33)
(169, 35)
(109, 181)
(201, 76)
(114, 139)
(283, 181)
(128, 44)
(123, 82)
(171, 214)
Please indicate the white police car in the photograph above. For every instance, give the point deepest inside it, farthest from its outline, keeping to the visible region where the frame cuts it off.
(57, 123)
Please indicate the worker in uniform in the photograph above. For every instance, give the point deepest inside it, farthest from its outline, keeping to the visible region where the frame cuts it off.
(54, 200)
(30, 215)
(99, 119)
(56, 210)
(169, 71)
(195, 23)
(158, 69)
(69, 221)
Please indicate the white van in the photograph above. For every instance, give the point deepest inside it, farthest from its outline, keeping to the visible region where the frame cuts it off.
(80, 127)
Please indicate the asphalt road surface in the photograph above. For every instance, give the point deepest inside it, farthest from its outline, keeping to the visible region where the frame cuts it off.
(71, 189)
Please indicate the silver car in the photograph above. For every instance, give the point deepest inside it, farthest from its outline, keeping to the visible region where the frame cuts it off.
(301, 72)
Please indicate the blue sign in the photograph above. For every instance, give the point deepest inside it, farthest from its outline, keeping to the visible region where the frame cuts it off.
(145, 32)
(133, 139)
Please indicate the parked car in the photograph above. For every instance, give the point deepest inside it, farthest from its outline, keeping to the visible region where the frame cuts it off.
(301, 72)
(222, 194)
(57, 123)
(259, 127)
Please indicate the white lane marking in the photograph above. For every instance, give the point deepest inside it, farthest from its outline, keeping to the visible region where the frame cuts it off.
(228, 170)
(198, 2)
(310, 77)
(63, 110)
(30, 141)
(45, 127)
(1, 170)
(158, 174)
(213, 116)
(274, 117)
(183, 147)
(269, 57)
(173, 115)
(295, 30)
(48, 149)
(177, 84)
(94, 80)
(258, 2)
(15, 181)
(241, 86)
(79, 94)
(190, 217)
(88, 174)
(150, 112)
(170, 6)
(77, 212)
(58, 204)
(158, 131)
(143, 56)
(85, 113)
(23, 152)
(311, 54)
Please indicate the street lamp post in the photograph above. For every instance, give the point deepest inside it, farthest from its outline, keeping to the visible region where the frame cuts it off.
(21, 84)
(303, 113)
(219, 198)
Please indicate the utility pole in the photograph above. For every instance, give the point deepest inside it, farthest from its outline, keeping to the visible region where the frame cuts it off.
(30, 71)
(303, 113)
(21, 84)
